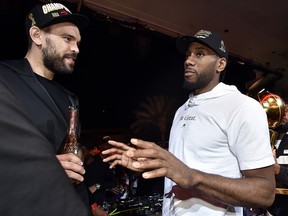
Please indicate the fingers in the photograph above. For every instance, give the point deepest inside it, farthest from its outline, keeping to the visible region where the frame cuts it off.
(122, 160)
(70, 158)
(142, 143)
(155, 173)
(112, 157)
(146, 150)
(113, 161)
(148, 155)
(74, 175)
(149, 164)
(72, 165)
(112, 151)
(120, 145)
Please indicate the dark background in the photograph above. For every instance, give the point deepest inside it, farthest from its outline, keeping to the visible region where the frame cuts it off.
(119, 65)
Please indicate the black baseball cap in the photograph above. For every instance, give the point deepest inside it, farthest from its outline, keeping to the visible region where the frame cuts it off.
(43, 15)
(208, 38)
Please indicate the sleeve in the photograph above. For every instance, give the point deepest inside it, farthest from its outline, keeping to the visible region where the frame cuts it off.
(251, 136)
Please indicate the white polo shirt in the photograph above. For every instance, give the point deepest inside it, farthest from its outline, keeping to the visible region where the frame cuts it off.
(220, 132)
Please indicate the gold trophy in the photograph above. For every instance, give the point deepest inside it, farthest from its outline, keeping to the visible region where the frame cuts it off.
(275, 110)
(274, 107)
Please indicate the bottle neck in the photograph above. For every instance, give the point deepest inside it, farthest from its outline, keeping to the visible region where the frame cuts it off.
(73, 121)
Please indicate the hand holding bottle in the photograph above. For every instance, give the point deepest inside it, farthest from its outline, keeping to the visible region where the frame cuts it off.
(72, 165)
(72, 153)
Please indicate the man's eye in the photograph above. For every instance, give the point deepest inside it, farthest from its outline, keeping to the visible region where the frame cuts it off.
(68, 39)
(199, 54)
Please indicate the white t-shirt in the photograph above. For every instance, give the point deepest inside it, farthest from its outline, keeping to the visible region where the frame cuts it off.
(220, 132)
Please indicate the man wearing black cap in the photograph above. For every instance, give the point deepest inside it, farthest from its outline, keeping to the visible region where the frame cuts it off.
(53, 39)
(219, 157)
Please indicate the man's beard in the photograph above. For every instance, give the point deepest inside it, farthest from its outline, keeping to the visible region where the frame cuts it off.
(53, 61)
(203, 80)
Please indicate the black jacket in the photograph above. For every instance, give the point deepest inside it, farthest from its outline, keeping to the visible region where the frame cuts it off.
(33, 182)
(42, 109)
(40, 105)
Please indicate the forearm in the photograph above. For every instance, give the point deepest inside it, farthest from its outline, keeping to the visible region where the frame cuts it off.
(249, 191)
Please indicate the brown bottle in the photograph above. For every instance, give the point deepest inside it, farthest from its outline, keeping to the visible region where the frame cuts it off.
(70, 143)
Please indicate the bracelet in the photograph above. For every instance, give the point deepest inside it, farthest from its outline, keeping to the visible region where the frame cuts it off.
(97, 186)
(94, 206)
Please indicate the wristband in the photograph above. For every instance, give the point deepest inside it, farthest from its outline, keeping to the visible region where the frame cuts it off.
(97, 186)
(94, 206)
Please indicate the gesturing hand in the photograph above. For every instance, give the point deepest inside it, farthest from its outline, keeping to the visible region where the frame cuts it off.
(149, 158)
(118, 155)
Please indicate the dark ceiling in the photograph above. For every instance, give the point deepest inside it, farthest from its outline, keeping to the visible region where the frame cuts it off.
(255, 30)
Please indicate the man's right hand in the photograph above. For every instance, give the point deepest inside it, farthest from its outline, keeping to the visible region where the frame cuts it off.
(72, 165)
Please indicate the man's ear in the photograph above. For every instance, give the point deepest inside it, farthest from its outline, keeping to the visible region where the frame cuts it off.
(221, 64)
(36, 35)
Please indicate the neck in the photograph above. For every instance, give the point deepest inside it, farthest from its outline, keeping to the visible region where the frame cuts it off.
(38, 67)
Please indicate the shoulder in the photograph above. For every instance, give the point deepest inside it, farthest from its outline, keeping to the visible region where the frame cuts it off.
(19, 65)
(13, 63)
